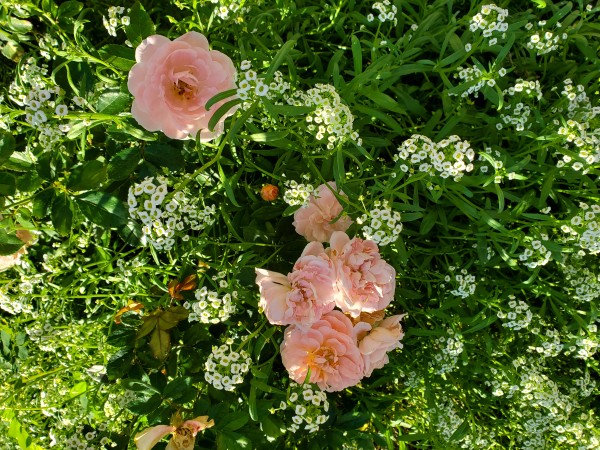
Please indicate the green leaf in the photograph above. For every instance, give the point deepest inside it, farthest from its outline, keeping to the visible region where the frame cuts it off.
(144, 404)
(131, 233)
(42, 203)
(279, 58)
(12, 50)
(140, 26)
(218, 97)
(9, 242)
(88, 175)
(103, 209)
(113, 101)
(119, 364)
(123, 164)
(164, 155)
(62, 213)
(120, 56)
(69, 9)
(8, 184)
(228, 440)
(356, 55)
(29, 181)
(269, 136)
(219, 113)
(180, 390)
(227, 185)
(7, 146)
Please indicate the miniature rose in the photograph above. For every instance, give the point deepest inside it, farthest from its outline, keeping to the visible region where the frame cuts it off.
(172, 81)
(366, 282)
(184, 435)
(375, 341)
(304, 295)
(314, 220)
(328, 349)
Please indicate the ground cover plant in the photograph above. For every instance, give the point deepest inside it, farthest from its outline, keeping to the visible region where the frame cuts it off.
(291, 224)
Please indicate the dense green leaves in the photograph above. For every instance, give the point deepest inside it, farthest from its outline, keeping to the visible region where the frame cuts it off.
(102, 208)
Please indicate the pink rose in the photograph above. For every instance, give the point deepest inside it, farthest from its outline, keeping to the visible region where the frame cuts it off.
(184, 435)
(366, 282)
(328, 349)
(302, 296)
(313, 220)
(375, 341)
(173, 80)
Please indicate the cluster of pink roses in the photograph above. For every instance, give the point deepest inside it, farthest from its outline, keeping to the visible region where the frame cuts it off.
(337, 346)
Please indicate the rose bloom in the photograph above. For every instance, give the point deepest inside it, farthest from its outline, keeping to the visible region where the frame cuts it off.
(172, 81)
(328, 349)
(313, 220)
(184, 435)
(304, 295)
(376, 340)
(366, 282)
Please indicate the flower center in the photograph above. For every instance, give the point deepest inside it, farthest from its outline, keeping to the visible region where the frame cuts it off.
(326, 358)
(184, 90)
(185, 85)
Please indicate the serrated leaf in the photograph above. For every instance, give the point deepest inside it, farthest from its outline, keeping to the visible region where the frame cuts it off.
(103, 209)
(42, 203)
(120, 56)
(119, 364)
(123, 164)
(62, 213)
(113, 101)
(8, 184)
(164, 155)
(9, 243)
(69, 8)
(140, 26)
(157, 324)
(7, 146)
(88, 175)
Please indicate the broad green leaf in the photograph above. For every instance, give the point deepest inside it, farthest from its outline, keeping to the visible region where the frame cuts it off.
(180, 390)
(103, 209)
(85, 176)
(145, 404)
(119, 363)
(9, 242)
(69, 9)
(42, 203)
(113, 101)
(62, 213)
(123, 164)
(7, 146)
(164, 155)
(140, 26)
(120, 56)
(28, 181)
(8, 184)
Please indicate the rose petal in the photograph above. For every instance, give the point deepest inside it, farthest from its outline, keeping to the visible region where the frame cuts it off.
(148, 438)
